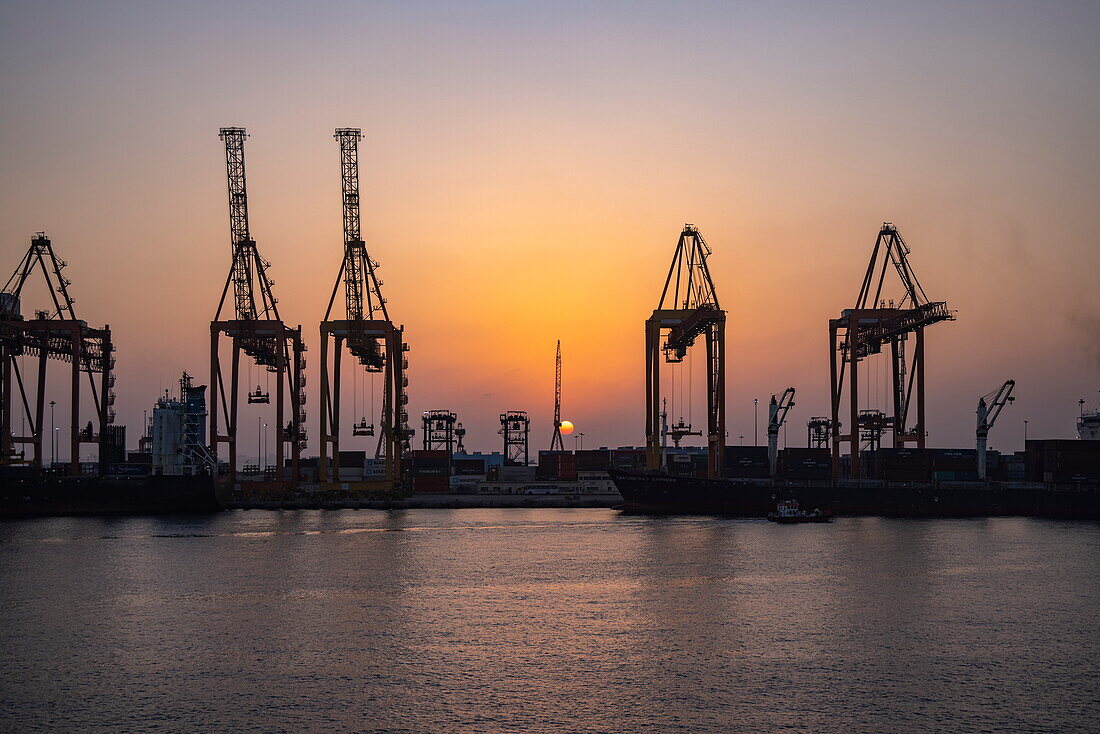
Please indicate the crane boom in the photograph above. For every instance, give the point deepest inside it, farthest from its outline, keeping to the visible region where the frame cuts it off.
(777, 414)
(248, 267)
(987, 416)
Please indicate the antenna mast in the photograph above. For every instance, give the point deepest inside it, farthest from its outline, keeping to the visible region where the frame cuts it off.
(555, 441)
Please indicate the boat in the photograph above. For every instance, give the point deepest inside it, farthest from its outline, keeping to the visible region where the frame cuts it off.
(29, 492)
(655, 492)
(788, 512)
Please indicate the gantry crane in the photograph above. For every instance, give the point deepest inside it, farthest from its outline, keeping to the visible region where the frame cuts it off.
(818, 432)
(688, 309)
(256, 329)
(54, 333)
(865, 329)
(367, 333)
(988, 410)
(555, 440)
(439, 427)
(777, 413)
(515, 426)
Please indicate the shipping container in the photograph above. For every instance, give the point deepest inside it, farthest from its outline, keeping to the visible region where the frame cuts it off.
(628, 459)
(430, 484)
(805, 463)
(516, 473)
(1063, 460)
(593, 460)
(747, 462)
(468, 467)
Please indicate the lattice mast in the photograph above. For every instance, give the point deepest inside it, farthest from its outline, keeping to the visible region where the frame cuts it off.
(555, 440)
(362, 289)
(248, 273)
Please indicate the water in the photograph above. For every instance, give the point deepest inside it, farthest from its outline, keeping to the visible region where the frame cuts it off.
(547, 621)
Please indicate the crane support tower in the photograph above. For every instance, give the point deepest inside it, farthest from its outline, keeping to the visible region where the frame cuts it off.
(365, 332)
(439, 431)
(818, 432)
(54, 333)
(864, 330)
(687, 310)
(555, 440)
(256, 329)
(777, 413)
(515, 426)
(989, 407)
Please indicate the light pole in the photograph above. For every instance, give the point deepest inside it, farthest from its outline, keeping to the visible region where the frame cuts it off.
(53, 436)
(259, 438)
(579, 439)
(755, 406)
(1025, 434)
(741, 438)
(265, 446)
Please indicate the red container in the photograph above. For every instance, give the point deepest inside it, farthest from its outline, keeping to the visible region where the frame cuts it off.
(430, 484)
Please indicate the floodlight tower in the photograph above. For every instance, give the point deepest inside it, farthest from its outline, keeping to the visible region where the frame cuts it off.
(687, 310)
(256, 329)
(366, 332)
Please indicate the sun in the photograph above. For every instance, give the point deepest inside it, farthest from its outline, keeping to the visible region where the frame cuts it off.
(566, 428)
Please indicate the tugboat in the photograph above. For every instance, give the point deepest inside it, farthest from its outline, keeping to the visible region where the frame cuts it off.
(788, 511)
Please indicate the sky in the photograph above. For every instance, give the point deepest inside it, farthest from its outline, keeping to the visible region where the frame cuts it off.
(527, 167)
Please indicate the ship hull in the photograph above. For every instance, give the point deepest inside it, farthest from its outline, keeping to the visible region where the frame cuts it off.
(35, 494)
(656, 493)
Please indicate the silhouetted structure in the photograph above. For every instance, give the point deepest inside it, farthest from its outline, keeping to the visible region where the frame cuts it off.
(688, 309)
(255, 329)
(515, 426)
(863, 330)
(52, 334)
(367, 333)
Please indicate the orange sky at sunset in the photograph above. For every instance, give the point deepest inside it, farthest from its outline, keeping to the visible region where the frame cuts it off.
(525, 175)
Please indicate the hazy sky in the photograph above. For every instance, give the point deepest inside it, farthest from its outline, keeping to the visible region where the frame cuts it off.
(526, 170)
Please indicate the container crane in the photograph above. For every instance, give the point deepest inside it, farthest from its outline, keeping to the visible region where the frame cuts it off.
(864, 330)
(54, 333)
(366, 332)
(687, 310)
(256, 329)
(988, 410)
(515, 427)
(777, 413)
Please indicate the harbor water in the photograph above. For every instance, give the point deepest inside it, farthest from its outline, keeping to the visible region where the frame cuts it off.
(547, 620)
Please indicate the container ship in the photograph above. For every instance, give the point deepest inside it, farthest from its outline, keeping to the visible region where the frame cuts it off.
(26, 492)
(170, 473)
(1051, 478)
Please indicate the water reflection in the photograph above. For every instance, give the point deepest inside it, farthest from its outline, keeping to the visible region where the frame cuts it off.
(546, 620)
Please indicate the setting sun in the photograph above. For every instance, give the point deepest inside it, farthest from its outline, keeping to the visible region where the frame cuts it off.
(566, 428)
